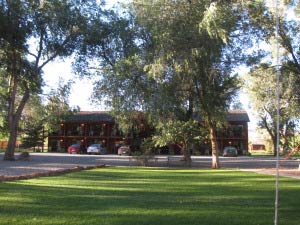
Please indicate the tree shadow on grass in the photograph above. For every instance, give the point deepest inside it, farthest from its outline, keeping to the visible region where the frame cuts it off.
(141, 196)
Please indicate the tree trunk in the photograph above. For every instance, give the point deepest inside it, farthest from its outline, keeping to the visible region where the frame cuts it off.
(214, 148)
(274, 140)
(186, 154)
(14, 117)
(10, 151)
(272, 133)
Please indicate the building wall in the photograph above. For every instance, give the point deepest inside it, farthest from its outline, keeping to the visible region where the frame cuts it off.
(85, 134)
(236, 134)
(107, 133)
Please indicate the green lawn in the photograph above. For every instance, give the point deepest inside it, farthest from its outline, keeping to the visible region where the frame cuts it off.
(129, 196)
(24, 150)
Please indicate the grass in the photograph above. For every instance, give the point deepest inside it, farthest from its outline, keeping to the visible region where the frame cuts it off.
(261, 153)
(2, 150)
(129, 196)
(296, 155)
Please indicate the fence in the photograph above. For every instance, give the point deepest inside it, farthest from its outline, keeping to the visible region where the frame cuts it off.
(3, 144)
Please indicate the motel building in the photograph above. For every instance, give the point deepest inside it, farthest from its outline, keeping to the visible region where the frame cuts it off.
(89, 127)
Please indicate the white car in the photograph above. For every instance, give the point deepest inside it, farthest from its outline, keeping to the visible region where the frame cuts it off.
(96, 149)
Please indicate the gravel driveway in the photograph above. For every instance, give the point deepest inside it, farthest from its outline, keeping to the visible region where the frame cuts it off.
(41, 164)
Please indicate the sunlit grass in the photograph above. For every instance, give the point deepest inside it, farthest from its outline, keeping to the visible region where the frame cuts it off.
(261, 153)
(2, 150)
(121, 196)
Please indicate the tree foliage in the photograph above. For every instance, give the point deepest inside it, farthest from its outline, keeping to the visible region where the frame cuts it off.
(57, 106)
(33, 135)
(32, 122)
(262, 83)
(261, 86)
(41, 115)
(182, 133)
(179, 59)
(193, 50)
(32, 34)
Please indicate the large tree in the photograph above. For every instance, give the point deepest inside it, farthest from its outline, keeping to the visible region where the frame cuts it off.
(194, 47)
(261, 87)
(261, 81)
(32, 34)
(172, 58)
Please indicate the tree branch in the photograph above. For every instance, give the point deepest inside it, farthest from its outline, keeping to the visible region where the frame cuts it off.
(56, 53)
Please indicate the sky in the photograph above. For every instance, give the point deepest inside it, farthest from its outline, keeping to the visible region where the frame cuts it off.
(81, 89)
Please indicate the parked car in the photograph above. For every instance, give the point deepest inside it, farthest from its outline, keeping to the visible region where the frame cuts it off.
(124, 150)
(96, 149)
(230, 151)
(74, 149)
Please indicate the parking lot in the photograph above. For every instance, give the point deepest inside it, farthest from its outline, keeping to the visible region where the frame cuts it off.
(43, 162)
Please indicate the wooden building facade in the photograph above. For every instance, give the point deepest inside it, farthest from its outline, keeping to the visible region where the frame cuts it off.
(86, 128)
(236, 132)
(89, 127)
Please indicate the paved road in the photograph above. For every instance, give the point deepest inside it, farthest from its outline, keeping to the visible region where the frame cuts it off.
(42, 162)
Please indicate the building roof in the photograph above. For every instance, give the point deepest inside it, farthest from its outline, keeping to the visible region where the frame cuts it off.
(90, 116)
(237, 116)
(231, 116)
(96, 116)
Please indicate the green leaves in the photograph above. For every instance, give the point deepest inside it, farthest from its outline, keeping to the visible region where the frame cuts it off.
(32, 34)
(176, 131)
(213, 22)
(57, 107)
(262, 89)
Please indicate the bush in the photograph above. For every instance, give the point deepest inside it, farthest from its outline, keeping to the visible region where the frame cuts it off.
(146, 154)
(143, 160)
(248, 154)
(136, 153)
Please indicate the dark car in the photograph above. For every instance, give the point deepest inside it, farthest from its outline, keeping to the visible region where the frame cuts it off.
(96, 149)
(230, 151)
(124, 150)
(74, 149)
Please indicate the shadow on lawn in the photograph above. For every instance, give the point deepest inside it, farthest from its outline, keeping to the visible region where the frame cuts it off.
(141, 196)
